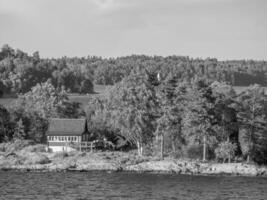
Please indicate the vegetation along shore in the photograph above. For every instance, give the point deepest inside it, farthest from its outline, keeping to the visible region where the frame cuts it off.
(36, 159)
(159, 114)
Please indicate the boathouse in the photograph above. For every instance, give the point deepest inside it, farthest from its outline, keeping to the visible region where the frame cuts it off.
(66, 134)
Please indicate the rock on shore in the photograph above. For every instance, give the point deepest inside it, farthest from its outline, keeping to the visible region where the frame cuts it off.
(180, 167)
(119, 161)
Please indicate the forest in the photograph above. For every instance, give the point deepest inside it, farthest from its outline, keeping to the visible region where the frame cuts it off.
(19, 71)
(161, 106)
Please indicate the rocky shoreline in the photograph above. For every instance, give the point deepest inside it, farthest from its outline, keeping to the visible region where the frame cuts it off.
(120, 161)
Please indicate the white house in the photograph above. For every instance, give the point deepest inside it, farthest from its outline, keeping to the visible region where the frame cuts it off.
(65, 134)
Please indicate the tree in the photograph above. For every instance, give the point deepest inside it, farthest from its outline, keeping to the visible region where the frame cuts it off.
(38, 105)
(132, 103)
(171, 107)
(86, 86)
(5, 124)
(252, 116)
(199, 120)
(226, 114)
(43, 99)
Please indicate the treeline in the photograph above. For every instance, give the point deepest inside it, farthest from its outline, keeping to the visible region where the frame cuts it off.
(193, 119)
(198, 119)
(20, 71)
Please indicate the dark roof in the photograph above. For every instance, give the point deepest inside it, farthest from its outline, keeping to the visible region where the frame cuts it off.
(66, 126)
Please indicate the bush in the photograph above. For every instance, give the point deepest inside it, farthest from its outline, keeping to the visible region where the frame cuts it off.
(35, 158)
(224, 150)
(14, 146)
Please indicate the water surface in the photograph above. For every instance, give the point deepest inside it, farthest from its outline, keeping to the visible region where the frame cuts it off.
(102, 185)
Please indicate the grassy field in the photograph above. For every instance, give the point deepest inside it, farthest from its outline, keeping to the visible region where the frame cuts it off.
(81, 98)
(99, 91)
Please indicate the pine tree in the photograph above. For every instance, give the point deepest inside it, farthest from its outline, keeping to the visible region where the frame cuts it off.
(252, 117)
(170, 97)
(199, 125)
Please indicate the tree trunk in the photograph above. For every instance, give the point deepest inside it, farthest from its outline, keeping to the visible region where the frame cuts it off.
(204, 148)
(139, 148)
(229, 155)
(162, 146)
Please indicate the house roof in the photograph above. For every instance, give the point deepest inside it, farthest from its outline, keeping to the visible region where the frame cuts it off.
(66, 126)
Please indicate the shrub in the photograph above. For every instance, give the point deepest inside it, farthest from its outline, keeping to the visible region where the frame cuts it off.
(35, 158)
(15, 145)
(225, 150)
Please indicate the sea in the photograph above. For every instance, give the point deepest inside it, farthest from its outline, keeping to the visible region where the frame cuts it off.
(121, 185)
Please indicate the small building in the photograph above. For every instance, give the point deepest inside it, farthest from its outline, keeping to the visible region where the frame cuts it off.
(66, 134)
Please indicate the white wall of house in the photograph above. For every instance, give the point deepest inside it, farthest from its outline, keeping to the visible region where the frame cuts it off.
(61, 142)
(60, 149)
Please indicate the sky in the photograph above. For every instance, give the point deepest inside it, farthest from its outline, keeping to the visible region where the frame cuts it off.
(223, 29)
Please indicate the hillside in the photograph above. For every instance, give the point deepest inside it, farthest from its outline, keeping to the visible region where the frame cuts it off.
(20, 71)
